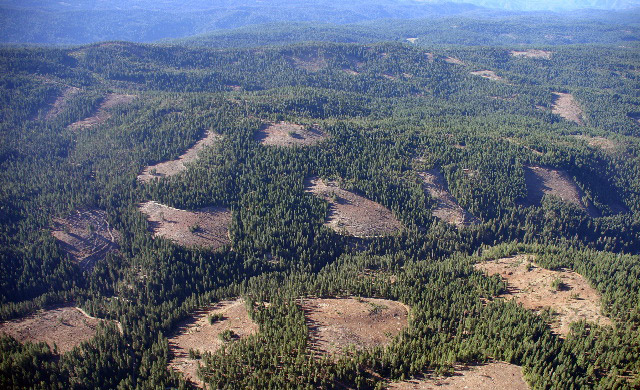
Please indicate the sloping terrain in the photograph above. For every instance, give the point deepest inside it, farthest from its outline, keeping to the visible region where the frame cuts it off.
(362, 323)
(567, 293)
(65, 327)
(352, 213)
(487, 74)
(102, 114)
(491, 376)
(565, 105)
(207, 227)
(532, 53)
(289, 134)
(60, 102)
(202, 333)
(447, 208)
(173, 167)
(86, 236)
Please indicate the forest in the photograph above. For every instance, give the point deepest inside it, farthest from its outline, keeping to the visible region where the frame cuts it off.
(79, 124)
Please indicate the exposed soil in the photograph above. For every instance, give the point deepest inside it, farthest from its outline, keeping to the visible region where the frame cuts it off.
(66, 327)
(336, 324)
(173, 167)
(207, 227)
(198, 334)
(56, 106)
(310, 62)
(412, 40)
(446, 208)
(532, 286)
(542, 181)
(289, 134)
(86, 236)
(102, 114)
(565, 105)
(453, 60)
(532, 53)
(487, 74)
(351, 213)
(598, 142)
(492, 376)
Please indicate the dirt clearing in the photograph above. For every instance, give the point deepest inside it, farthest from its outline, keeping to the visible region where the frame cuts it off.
(173, 167)
(566, 292)
(487, 74)
(102, 114)
(532, 53)
(492, 376)
(598, 142)
(336, 324)
(86, 236)
(542, 181)
(207, 227)
(446, 208)
(56, 106)
(453, 60)
(199, 333)
(289, 134)
(565, 105)
(412, 40)
(66, 327)
(351, 213)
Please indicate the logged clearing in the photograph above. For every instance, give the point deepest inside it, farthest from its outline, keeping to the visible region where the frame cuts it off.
(173, 167)
(310, 62)
(352, 213)
(492, 376)
(487, 74)
(532, 53)
(453, 60)
(289, 134)
(542, 181)
(447, 208)
(207, 227)
(199, 334)
(102, 113)
(336, 324)
(566, 292)
(56, 106)
(66, 327)
(598, 142)
(565, 105)
(86, 236)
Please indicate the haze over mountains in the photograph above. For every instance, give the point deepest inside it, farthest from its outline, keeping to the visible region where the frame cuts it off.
(80, 22)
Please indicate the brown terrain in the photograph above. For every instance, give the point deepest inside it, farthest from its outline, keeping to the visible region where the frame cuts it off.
(487, 74)
(533, 287)
(102, 114)
(336, 324)
(453, 60)
(565, 105)
(598, 142)
(173, 167)
(198, 334)
(542, 181)
(289, 134)
(86, 236)
(446, 208)
(532, 53)
(492, 376)
(310, 62)
(55, 107)
(66, 327)
(352, 213)
(207, 227)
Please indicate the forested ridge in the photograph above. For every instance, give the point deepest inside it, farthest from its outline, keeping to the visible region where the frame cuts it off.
(391, 111)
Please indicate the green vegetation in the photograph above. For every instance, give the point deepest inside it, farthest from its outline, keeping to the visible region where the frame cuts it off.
(430, 114)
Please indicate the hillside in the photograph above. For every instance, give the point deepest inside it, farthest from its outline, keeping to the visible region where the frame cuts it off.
(292, 159)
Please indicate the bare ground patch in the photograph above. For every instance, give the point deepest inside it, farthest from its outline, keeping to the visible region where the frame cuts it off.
(352, 213)
(207, 227)
(532, 53)
(453, 60)
(289, 134)
(542, 181)
(492, 376)
(102, 114)
(310, 62)
(173, 167)
(199, 334)
(598, 142)
(447, 208)
(86, 236)
(487, 74)
(565, 105)
(412, 40)
(66, 327)
(566, 292)
(336, 324)
(56, 106)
